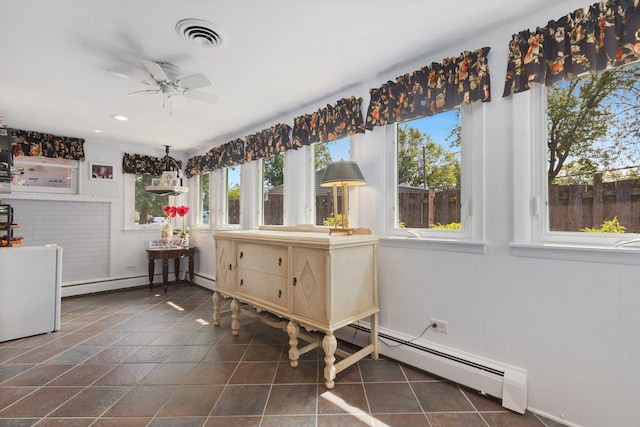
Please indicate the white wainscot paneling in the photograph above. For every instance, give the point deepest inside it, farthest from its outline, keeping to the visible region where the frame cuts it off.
(630, 342)
(547, 364)
(417, 285)
(592, 344)
(504, 298)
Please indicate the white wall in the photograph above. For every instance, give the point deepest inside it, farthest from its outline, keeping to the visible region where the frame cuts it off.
(571, 322)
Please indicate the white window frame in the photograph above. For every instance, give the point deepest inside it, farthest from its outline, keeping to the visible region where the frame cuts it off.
(75, 170)
(198, 205)
(531, 235)
(129, 206)
(221, 203)
(260, 204)
(472, 121)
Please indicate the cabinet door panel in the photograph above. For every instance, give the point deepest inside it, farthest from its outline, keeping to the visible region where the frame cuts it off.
(309, 283)
(270, 259)
(262, 288)
(225, 264)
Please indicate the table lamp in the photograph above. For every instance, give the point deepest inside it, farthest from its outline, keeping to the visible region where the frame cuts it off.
(344, 174)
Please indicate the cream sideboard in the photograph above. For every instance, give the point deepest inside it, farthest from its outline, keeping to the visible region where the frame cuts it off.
(315, 280)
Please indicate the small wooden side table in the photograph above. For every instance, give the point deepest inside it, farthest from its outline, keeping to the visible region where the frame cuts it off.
(165, 255)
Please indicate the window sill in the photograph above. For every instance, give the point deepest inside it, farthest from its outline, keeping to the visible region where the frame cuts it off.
(627, 255)
(55, 196)
(448, 245)
(200, 230)
(142, 228)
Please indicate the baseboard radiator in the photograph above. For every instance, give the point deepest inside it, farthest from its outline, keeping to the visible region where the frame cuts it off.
(82, 287)
(493, 378)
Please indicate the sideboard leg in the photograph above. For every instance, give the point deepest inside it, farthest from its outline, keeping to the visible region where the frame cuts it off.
(216, 308)
(235, 316)
(293, 328)
(374, 335)
(329, 345)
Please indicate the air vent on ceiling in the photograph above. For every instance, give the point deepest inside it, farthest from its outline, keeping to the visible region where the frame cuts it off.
(199, 32)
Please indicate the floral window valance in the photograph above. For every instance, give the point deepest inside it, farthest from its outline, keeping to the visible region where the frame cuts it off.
(336, 121)
(429, 90)
(30, 143)
(593, 38)
(229, 154)
(265, 143)
(268, 142)
(198, 165)
(141, 164)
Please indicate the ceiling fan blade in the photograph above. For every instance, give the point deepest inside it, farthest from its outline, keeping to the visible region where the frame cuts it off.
(201, 96)
(154, 69)
(195, 81)
(144, 92)
(126, 76)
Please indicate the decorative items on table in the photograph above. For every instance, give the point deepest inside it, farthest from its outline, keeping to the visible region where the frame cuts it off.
(166, 233)
(167, 230)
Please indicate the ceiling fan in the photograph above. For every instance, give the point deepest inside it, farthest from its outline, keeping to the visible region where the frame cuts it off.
(164, 76)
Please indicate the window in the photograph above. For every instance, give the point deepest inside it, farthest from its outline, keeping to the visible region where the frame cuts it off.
(578, 160)
(325, 153)
(233, 195)
(272, 190)
(45, 174)
(148, 207)
(202, 213)
(429, 172)
(593, 153)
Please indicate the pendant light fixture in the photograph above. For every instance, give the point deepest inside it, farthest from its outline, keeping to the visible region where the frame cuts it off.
(170, 184)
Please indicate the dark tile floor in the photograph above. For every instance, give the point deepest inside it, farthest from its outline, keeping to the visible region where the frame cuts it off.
(142, 358)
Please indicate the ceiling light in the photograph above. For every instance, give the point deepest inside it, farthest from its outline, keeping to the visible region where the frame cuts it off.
(97, 131)
(118, 117)
(199, 32)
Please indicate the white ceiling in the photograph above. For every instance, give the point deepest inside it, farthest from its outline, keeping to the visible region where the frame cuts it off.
(277, 56)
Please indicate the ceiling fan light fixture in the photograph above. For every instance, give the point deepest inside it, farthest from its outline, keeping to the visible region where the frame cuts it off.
(199, 32)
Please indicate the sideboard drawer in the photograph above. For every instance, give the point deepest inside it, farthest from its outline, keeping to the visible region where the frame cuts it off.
(263, 288)
(270, 259)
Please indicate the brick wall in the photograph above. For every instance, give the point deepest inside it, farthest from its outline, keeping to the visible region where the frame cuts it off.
(81, 228)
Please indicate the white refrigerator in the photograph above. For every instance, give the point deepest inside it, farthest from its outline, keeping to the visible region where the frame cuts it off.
(30, 280)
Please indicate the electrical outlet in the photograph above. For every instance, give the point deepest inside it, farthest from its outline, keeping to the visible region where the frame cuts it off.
(131, 267)
(440, 325)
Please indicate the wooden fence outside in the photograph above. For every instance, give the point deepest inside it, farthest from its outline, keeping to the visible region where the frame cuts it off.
(571, 207)
(578, 206)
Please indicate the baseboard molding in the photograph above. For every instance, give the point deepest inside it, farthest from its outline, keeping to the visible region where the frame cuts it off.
(205, 281)
(70, 289)
(82, 287)
(494, 378)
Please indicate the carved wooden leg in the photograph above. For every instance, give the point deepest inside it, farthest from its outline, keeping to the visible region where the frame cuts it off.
(151, 268)
(235, 316)
(176, 268)
(216, 308)
(191, 263)
(374, 335)
(165, 274)
(293, 328)
(329, 345)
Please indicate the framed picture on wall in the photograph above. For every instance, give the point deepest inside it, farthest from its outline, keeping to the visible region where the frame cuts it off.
(101, 172)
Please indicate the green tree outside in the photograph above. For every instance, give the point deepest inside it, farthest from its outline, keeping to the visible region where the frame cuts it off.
(420, 158)
(592, 123)
(147, 205)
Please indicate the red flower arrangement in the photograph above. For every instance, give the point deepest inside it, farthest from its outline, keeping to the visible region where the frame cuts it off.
(181, 211)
